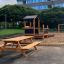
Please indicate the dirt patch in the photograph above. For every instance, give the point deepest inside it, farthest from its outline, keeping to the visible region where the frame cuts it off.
(57, 39)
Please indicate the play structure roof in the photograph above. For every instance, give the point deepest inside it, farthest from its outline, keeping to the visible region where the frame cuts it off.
(30, 17)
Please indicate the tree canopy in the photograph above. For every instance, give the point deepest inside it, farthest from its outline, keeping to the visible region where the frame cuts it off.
(15, 12)
(52, 17)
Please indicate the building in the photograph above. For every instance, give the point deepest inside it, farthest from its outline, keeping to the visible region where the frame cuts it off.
(42, 4)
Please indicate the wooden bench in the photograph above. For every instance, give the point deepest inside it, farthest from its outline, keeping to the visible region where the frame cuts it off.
(24, 49)
(29, 46)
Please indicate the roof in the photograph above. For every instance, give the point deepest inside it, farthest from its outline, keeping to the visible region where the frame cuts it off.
(30, 17)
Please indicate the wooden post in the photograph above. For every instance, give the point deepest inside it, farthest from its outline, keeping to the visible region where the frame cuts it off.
(38, 25)
(24, 23)
(34, 25)
(30, 24)
(58, 28)
(43, 28)
(47, 26)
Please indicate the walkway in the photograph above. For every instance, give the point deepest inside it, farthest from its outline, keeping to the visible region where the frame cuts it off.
(44, 55)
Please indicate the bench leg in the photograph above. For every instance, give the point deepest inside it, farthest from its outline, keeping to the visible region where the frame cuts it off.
(1, 50)
(24, 54)
(35, 47)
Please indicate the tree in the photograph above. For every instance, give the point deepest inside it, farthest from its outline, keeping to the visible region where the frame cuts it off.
(52, 17)
(15, 13)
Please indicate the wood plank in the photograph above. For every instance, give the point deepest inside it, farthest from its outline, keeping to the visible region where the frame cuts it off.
(45, 35)
(1, 45)
(29, 46)
(17, 38)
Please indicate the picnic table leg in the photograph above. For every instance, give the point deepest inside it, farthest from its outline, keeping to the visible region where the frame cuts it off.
(24, 54)
(5, 44)
(35, 47)
(22, 51)
(1, 50)
(29, 40)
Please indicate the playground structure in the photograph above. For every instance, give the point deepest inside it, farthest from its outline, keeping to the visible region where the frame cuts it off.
(32, 27)
(45, 30)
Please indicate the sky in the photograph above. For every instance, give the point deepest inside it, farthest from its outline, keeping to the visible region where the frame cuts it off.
(5, 2)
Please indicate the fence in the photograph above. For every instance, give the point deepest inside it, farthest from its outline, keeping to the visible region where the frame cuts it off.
(9, 25)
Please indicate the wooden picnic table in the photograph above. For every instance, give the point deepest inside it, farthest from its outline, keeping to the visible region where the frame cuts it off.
(16, 43)
(21, 44)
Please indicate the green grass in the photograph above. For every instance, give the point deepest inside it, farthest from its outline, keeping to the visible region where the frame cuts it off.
(11, 31)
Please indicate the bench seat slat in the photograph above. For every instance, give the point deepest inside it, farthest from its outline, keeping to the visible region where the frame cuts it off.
(29, 46)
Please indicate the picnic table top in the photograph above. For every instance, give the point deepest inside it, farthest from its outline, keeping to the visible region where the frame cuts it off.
(17, 38)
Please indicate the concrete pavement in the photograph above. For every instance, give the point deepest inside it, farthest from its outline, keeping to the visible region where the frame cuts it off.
(44, 55)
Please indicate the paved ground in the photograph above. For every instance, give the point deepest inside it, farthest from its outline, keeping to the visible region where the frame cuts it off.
(44, 55)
